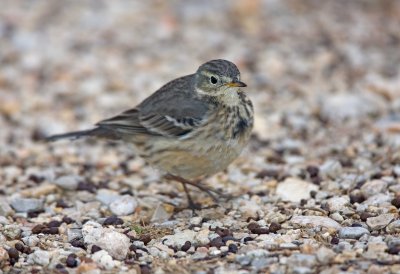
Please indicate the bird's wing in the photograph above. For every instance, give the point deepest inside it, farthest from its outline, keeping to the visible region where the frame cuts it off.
(172, 111)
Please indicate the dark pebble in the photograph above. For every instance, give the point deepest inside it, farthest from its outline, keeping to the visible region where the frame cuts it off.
(217, 242)
(53, 230)
(67, 220)
(253, 226)
(260, 230)
(113, 220)
(61, 203)
(335, 240)
(95, 248)
(396, 202)
(145, 269)
(186, 246)
(313, 171)
(71, 261)
(59, 266)
(247, 239)
(90, 187)
(132, 248)
(267, 173)
(394, 250)
(13, 253)
(356, 225)
(227, 238)
(365, 215)
(145, 238)
(274, 227)
(20, 247)
(78, 243)
(356, 197)
(54, 223)
(223, 232)
(233, 248)
(38, 229)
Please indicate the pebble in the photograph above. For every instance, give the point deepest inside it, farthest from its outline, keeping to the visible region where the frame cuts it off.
(115, 243)
(394, 227)
(337, 203)
(5, 209)
(68, 182)
(331, 169)
(179, 239)
(12, 232)
(107, 196)
(124, 205)
(103, 259)
(294, 190)
(325, 255)
(40, 257)
(315, 221)
(352, 232)
(381, 221)
(27, 204)
(373, 187)
(3, 256)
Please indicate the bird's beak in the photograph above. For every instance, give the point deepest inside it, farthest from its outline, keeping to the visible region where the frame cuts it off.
(236, 84)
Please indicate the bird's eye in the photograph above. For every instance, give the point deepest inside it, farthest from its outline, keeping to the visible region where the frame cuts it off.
(213, 80)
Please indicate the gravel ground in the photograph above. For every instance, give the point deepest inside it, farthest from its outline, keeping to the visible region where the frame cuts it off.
(317, 191)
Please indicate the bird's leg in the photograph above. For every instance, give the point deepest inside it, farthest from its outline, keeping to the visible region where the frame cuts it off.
(214, 194)
(191, 204)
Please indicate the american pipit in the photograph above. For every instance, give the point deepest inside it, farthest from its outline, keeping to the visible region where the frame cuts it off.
(193, 126)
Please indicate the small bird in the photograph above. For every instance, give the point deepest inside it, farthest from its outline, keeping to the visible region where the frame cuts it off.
(193, 126)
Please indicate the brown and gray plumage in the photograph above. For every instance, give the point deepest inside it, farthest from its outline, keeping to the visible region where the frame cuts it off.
(193, 126)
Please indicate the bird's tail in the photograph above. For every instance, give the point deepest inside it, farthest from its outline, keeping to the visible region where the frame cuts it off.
(70, 135)
(96, 132)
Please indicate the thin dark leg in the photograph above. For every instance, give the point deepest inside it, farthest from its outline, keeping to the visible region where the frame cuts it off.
(214, 194)
(191, 204)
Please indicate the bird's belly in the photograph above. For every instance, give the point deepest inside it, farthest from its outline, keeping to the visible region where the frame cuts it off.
(191, 158)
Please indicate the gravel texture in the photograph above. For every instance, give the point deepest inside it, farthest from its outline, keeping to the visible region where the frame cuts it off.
(316, 191)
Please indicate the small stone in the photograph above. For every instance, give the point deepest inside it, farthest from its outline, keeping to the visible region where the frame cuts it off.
(373, 187)
(69, 182)
(54, 223)
(186, 246)
(196, 220)
(12, 232)
(394, 227)
(71, 261)
(379, 222)
(274, 227)
(103, 259)
(3, 256)
(20, 247)
(5, 209)
(107, 196)
(179, 239)
(325, 255)
(396, 202)
(233, 248)
(352, 232)
(294, 190)
(27, 204)
(40, 257)
(95, 248)
(357, 197)
(13, 254)
(116, 244)
(160, 214)
(315, 221)
(125, 205)
(337, 203)
(37, 229)
(113, 220)
(331, 169)
(217, 242)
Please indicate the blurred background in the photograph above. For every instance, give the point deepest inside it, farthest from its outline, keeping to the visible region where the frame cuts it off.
(311, 66)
